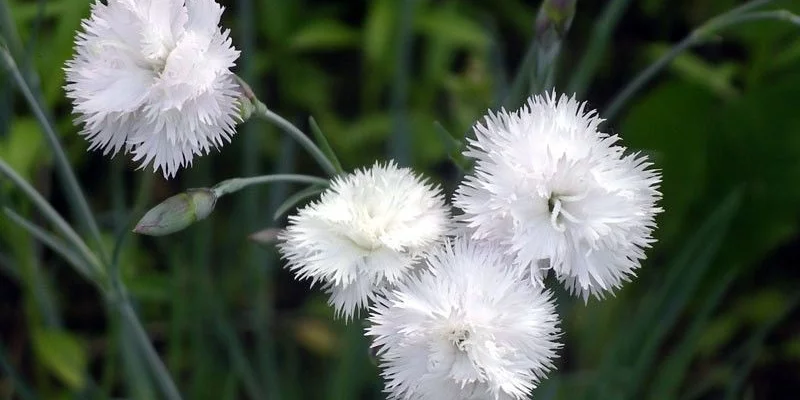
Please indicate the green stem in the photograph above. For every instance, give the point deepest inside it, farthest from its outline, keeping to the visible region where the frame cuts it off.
(596, 49)
(63, 167)
(400, 145)
(735, 16)
(55, 218)
(308, 144)
(59, 247)
(236, 184)
(168, 387)
(520, 83)
(637, 83)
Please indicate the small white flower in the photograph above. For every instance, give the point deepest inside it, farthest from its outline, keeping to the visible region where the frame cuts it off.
(367, 231)
(153, 77)
(558, 193)
(468, 327)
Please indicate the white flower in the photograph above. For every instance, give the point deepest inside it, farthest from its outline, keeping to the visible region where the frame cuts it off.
(153, 77)
(468, 327)
(367, 231)
(558, 193)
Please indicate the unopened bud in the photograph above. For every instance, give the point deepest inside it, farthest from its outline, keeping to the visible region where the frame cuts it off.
(248, 102)
(177, 212)
(554, 19)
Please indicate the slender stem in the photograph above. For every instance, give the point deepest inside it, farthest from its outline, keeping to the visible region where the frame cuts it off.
(52, 242)
(749, 17)
(598, 43)
(63, 167)
(733, 17)
(142, 195)
(637, 83)
(54, 217)
(168, 387)
(265, 113)
(521, 79)
(745, 7)
(552, 24)
(400, 140)
(236, 184)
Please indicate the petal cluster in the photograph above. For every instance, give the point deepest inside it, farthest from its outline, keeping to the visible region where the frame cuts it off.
(557, 193)
(368, 230)
(153, 77)
(467, 327)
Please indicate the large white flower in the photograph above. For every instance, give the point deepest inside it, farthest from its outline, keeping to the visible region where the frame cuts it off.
(153, 77)
(467, 327)
(558, 193)
(367, 231)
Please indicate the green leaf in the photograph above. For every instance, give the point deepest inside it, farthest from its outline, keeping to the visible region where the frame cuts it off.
(661, 308)
(637, 344)
(681, 144)
(717, 78)
(22, 146)
(378, 30)
(325, 34)
(673, 370)
(51, 241)
(296, 198)
(62, 354)
(451, 25)
(151, 287)
(324, 145)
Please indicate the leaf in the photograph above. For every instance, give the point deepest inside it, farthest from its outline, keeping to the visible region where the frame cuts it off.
(682, 143)
(717, 78)
(451, 25)
(62, 354)
(325, 34)
(296, 198)
(22, 146)
(324, 145)
(151, 287)
(378, 30)
(658, 311)
(51, 241)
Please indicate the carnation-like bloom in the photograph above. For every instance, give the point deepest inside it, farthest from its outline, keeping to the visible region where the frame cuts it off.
(366, 231)
(467, 327)
(153, 77)
(560, 194)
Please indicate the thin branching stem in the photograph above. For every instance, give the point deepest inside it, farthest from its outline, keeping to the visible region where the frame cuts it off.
(55, 218)
(236, 184)
(738, 15)
(268, 115)
(162, 376)
(63, 167)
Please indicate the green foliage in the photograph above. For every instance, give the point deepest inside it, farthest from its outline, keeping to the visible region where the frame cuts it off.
(711, 303)
(61, 354)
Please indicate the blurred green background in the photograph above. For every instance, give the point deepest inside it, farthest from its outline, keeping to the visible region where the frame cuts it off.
(713, 313)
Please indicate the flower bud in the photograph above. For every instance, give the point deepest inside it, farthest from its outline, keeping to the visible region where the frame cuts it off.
(177, 212)
(248, 102)
(553, 20)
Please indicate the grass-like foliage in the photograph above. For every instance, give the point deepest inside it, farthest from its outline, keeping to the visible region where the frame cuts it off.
(121, 282)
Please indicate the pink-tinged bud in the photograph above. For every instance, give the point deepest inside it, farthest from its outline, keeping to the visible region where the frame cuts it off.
(177, 212)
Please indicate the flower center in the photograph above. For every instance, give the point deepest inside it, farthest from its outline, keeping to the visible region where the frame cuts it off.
(459, 338)
(557, 205)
